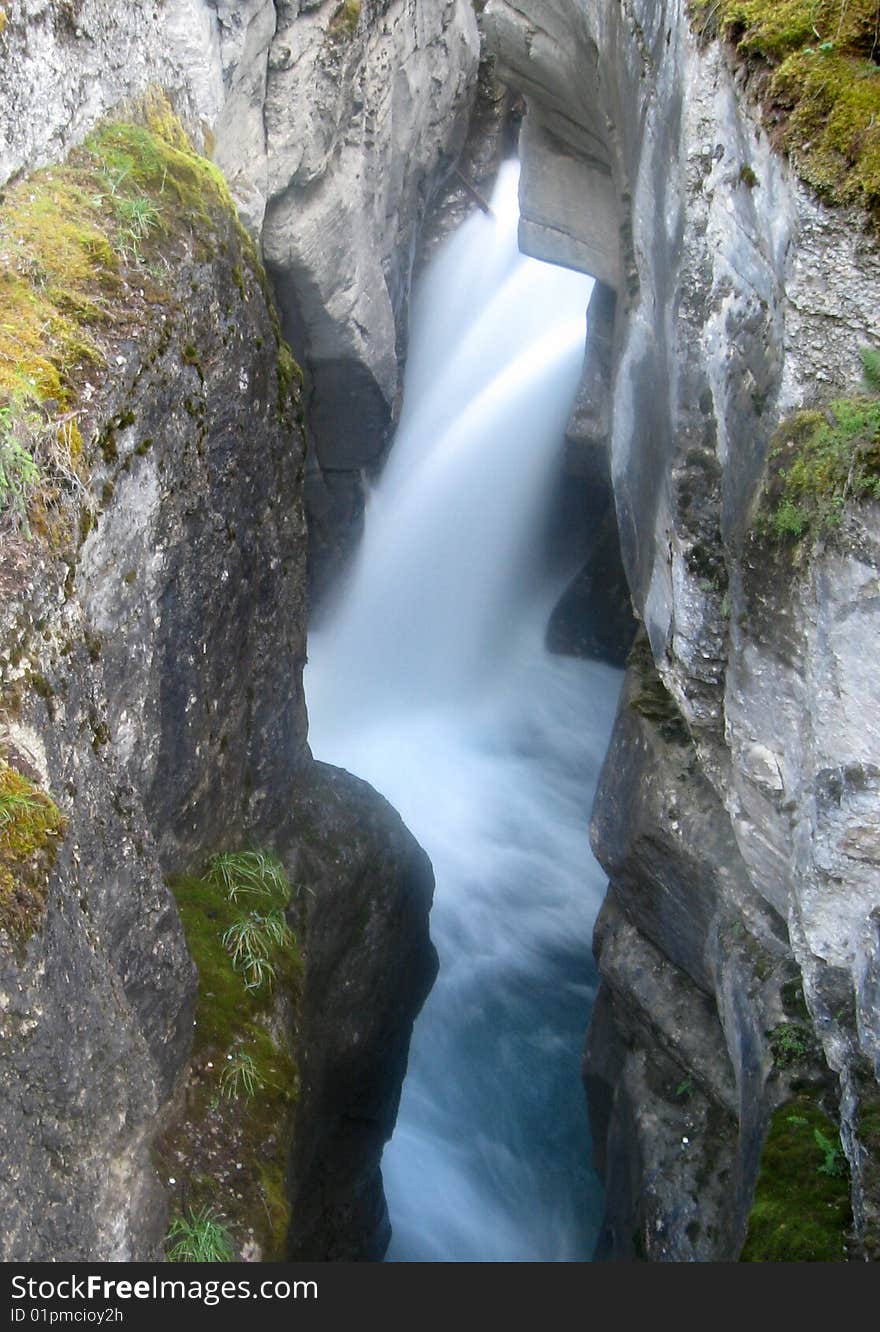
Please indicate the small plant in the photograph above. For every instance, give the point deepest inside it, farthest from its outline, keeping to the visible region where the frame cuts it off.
(255, 935)
(790, 1044)
(249, 945)
(821, 460)
(198, 1237)
(14, 804)
(685, 1089)
(19, 474)
(250, 874)
(241, 1076)
(137, 217)
(835, 1161)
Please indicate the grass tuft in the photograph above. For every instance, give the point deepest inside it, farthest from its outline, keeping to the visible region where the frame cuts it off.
(233, 1139)
(198, 1236)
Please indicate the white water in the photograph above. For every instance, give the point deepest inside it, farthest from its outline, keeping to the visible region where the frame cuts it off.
(430, 680)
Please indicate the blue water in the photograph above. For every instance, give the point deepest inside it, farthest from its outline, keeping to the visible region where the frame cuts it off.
(430, 679)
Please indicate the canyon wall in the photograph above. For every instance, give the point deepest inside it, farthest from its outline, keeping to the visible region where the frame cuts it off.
(737, 814)
(334, 124)
(154, 616)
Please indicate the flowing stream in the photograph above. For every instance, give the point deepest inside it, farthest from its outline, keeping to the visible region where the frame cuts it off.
(430, 679)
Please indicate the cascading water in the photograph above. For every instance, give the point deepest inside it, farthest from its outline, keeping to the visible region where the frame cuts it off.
(430, 680)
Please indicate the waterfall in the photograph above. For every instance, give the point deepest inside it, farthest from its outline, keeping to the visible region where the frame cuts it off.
(429, 678)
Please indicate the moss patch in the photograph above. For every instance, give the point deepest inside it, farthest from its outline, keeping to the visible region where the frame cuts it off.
(83, 250)
(650, 697)
(818, 462)
(229, 1147)
(801, 1211)
(30, 826)
(345, 20)
(822, 88)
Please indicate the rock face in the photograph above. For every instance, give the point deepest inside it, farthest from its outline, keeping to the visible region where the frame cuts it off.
(334, 123)
(366, 109)
(119, 626)
(737, 816)
(367, 888)
(151, 670)
(152, 638)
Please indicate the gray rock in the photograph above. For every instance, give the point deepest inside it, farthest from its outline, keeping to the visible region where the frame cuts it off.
(739, 297)
(151, 657)
(365, 887)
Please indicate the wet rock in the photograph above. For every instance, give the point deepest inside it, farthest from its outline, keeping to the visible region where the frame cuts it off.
(366, 887)
(746, 859)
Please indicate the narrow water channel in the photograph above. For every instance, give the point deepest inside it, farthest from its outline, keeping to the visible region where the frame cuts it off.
(429, 678)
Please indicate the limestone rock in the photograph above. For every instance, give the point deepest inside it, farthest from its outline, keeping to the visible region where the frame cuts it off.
(739, 297)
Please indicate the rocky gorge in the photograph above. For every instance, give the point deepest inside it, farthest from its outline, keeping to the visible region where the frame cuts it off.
(210, 218)
(737, 811)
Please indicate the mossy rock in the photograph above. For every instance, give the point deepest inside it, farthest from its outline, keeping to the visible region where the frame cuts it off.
(229, 1148)
(30, 827)
(649, 696)
(802, 1210)
(345, 20)
(819, 461)
(75, 239)
(822, 90)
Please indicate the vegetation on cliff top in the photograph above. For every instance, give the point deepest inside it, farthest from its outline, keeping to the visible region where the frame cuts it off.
(229, 1148)
(30, 826)
(821, 93)
(77, 241)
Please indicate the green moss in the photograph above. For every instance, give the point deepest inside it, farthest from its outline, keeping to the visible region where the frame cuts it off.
(791, 1043)
(69, 235)
(801, 1211)
(345, 20)
(290, 376)
(818, 462)
(190, 356)
(30, 826)
(221, 1131)
(649, 696)
(3, 21)
(823, 84)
